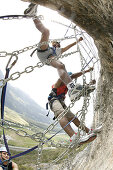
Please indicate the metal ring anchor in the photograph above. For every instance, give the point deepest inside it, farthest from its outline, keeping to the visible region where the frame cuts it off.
(9, 64)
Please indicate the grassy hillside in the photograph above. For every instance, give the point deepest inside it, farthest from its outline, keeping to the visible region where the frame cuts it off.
(16, 140)
(20, 102)
(13, 116)
(29, 161)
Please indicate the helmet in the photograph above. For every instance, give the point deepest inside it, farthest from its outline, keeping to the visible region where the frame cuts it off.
(3, 149)
(69, 73)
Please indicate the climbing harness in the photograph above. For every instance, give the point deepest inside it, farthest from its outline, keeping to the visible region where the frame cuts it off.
(8, 167)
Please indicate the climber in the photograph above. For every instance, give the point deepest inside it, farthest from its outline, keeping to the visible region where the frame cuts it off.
(45, 52)
(57, 105)
(5, 164)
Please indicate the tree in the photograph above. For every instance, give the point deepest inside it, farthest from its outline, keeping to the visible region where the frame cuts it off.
(96, 18)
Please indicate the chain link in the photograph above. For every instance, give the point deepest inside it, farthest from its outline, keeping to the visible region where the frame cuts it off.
(7, 125)
(4, 54)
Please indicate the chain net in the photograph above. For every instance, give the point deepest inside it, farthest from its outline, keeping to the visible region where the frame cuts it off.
(86, 52)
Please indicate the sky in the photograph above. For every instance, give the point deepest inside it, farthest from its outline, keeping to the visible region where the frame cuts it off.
(17, 34)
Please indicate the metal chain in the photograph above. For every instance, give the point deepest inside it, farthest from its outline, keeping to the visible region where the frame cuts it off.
(36, 136)
(76, 142)
(17, 52)
(11, 17)
(84, 108)
(75, 145)
(83, 113)
(71, 146)
(16, 75)
(40, 148)
(71, 156)
(40, 137)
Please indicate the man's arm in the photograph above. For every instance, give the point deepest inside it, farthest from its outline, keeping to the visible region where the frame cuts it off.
(76, 75)
(73, 76)
(14, 166)
(70, 45)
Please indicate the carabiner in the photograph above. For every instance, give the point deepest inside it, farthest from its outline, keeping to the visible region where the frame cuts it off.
(13, 63)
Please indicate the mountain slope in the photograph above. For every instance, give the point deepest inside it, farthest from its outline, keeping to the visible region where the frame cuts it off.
(21, 103)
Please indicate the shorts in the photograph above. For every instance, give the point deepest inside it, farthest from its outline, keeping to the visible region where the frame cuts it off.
(58, 107)
(44, 55)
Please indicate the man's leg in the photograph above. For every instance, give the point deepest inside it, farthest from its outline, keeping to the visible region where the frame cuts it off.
(61, 71)
(45, 33)
(54, 63)
(58, 109)
(32, 11)
(77, 123)
(89, 137)
(68, 129)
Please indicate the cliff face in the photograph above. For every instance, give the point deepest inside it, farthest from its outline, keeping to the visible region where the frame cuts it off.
(96, 18)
